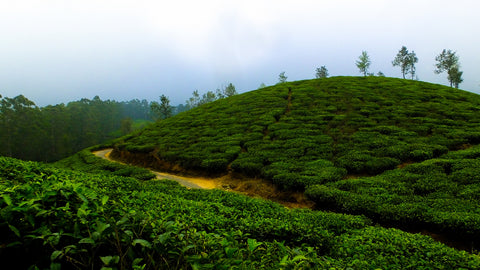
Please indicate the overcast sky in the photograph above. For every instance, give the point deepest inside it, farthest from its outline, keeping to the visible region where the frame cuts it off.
(58, 51)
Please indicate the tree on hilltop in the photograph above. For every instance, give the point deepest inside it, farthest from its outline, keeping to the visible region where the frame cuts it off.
(455, 76)
(207, 98)
(448, 61)
(193, 101)
(412, 59)
(406, 60)
(230, 90)
(282, 78)
(322, 72)
(226, 91)
(363, 63)
(163, 109)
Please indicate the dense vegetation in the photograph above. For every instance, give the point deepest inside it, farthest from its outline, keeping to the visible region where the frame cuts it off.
(61, 219)
(326, 136)
(381, 151)
(54, 132)
(86, 162)
(440, 194)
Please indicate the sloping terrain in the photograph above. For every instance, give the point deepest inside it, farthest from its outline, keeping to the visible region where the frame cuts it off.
(397, 152)
(387, 148)
(53, 218)
(356, 125)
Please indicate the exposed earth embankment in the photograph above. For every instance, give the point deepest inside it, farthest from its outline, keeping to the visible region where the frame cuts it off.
(250, 187)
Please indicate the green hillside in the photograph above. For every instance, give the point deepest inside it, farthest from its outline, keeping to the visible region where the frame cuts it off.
(401, 152)
(372, 153)
(286, 132)
(53, 218)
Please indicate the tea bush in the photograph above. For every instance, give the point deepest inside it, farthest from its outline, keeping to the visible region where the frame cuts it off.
(364, 125)
(438, 194)
(62, 219)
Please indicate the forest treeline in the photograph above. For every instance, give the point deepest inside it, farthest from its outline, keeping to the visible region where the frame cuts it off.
(56, 131)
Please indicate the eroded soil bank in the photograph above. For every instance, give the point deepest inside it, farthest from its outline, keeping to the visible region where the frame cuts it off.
(249, 186)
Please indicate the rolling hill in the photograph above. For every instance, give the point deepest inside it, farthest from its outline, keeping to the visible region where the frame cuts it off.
(398, 151)
(344, 125)
(380, 152)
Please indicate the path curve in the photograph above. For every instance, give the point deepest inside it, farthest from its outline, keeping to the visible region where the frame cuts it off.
(250, 187)
(200, 183)
(188, 182)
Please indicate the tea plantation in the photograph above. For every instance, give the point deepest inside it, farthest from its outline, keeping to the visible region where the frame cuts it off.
(53, 218)
(372, 152)
(397, 151)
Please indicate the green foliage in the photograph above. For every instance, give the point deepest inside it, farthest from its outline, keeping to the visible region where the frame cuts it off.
(402, 138)
(448, 61)
(439, 194)
(455, 76)
(282, 78)
(321, 72)
(54, 132)
(210, 96)
(62, 219)
(163, 109)
(85, 161)
(362, 125)
(363, 63)
(406, 60)
(227, 91)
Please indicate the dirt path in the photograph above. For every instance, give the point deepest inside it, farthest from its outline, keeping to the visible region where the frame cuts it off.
(250, 187)
(188, 182)
(266, 190)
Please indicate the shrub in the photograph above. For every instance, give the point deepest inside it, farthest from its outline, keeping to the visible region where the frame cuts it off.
(215, 165)
(288, 181)
(250, 166)
(363, 162)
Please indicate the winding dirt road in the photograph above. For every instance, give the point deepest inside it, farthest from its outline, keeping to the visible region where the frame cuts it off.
(188, 182)
(250, 187)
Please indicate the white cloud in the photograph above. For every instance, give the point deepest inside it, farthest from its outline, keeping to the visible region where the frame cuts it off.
(147, 44)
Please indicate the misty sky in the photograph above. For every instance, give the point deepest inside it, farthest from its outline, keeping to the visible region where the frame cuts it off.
(59, 51)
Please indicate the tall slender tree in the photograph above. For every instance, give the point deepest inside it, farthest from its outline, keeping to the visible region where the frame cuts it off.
(163, 109)
(406, 61)
(448, 61)
(363, 63)
(230, 90)
(226, 91)
(455, 76)
(194, 100)
(282, 78)
(322, 72)
(401, 60)
(412, 60)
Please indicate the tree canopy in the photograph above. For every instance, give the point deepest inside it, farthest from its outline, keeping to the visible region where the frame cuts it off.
(448, 61)
(282, 78)
(163, 109)
(363, 63)
(322, 72)
(56, 131)
(406, 61)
